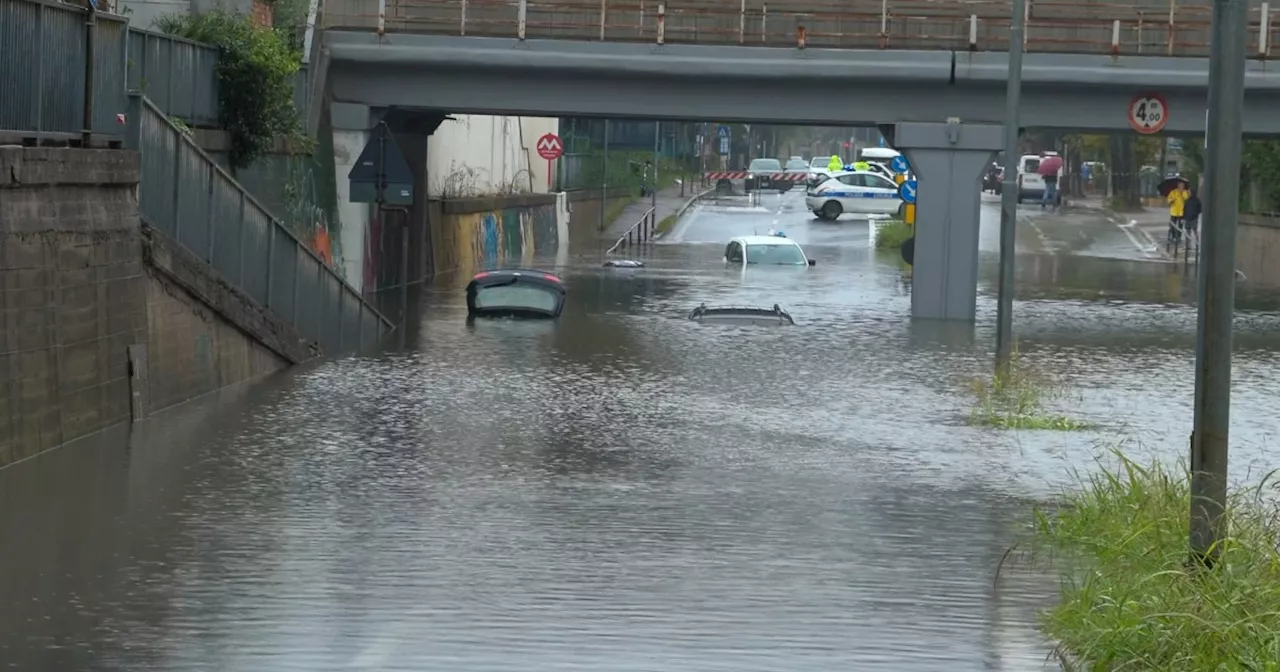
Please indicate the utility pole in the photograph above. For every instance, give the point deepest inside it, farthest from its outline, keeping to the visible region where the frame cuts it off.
(657, 146)
(1209, 438)
(604, 180)
(1009, 191)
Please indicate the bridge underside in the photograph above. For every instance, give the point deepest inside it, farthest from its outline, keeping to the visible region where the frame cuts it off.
(752, 84)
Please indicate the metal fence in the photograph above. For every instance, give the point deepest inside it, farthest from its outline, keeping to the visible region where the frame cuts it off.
(1154, 27)
(178, 75)
(42, 70)
(186, 195)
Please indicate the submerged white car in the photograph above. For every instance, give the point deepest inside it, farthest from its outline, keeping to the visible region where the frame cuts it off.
(853, 192)
(765, 251)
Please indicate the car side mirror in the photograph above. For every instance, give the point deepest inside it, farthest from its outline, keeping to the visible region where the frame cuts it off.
(813, 262)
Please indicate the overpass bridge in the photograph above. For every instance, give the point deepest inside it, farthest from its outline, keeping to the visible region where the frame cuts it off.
(931, 74)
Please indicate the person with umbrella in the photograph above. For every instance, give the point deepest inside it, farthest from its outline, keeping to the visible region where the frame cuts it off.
(1050, 166)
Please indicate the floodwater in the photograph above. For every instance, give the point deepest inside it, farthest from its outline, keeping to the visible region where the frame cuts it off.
(621, 490)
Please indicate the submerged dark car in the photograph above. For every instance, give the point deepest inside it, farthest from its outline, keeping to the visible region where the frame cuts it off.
(741, 315)
(515, 293)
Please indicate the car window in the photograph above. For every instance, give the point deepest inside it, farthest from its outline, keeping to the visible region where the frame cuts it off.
(517, 296)
(797, 165)
(774, 254)
(1030, 165)
(819, 163)
(764, 165)
(853, 180)
(877, 181)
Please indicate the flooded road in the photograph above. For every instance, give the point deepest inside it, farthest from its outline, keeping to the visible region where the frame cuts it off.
(621, 490)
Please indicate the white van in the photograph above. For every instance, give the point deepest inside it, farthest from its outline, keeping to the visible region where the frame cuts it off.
(1030, 183)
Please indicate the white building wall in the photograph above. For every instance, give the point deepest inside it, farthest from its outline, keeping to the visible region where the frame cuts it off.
(481, 155)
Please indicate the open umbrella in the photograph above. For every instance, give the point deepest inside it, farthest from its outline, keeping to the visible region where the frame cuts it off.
(1169, 184)
(1050, 165)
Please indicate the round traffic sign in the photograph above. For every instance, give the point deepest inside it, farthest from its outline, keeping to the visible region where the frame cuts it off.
(907, 191)
(550, 147)
(899, 164)
(1148, 112)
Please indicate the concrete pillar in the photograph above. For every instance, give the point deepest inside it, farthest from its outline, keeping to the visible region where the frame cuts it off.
(351, 124)
(948, 159)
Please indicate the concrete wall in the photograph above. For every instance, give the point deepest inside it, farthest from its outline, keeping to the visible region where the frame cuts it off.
(474, 234)
(79, 287)
(585, 207)
(479, 155)
(1258, 250)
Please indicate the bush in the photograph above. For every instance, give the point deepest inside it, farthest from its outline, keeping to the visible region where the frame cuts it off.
(255, 72)
(892, 234)
(1135, 605)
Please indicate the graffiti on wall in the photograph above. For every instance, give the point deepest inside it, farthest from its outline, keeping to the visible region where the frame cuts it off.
(508, 237)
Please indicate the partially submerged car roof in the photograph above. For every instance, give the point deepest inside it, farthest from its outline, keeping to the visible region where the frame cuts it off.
(741, 314)
(524, 274)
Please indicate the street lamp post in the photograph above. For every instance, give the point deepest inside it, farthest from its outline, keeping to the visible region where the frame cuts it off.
(1217, 280)
(1009, 191)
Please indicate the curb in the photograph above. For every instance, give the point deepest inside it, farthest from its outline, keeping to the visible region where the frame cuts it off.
(684, 208)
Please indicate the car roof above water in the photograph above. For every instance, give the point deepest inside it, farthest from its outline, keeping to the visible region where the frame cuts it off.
(765, 240)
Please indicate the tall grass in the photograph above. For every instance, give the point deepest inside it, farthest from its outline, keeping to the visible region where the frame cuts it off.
(891, 234)
(1018, 398)
(1134, 604)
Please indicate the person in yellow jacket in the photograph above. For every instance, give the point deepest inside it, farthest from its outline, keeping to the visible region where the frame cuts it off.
(835, 164)
(1177, 199)
(861, 165)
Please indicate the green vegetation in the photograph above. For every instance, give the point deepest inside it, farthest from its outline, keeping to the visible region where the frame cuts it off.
(624, 169)
(255, 79)
(892, 234)
(614, 207)
(666, 223)
(1017, 398)
(1134, 604)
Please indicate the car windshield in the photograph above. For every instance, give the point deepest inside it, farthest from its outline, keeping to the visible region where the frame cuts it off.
(1030, 165)
(526, 296)
(775, 254)
(797, 165)
(819, 162)
(764, 165)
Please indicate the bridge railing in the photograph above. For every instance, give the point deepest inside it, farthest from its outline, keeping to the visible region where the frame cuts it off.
(640, 232)
(1137, 27)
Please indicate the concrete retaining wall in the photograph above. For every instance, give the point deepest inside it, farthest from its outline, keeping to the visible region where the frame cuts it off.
(1258, 250)
(483, 233)
(94, 332)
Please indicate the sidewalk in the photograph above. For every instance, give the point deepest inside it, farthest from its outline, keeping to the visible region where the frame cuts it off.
(669, 202)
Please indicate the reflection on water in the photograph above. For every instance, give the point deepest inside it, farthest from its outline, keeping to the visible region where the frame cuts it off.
(621, 489)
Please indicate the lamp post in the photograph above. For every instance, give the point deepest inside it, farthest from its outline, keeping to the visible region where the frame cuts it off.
(1009, 191)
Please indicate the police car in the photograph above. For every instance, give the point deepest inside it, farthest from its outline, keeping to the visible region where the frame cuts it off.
(857, 192)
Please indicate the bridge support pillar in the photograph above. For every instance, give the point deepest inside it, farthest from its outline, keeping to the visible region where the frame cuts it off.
(948, 158)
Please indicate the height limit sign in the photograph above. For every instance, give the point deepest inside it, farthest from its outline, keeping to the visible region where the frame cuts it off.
(1148, 113)
(550, 148)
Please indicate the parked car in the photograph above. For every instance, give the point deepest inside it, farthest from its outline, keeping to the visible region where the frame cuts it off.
(742, 315)
(855, 192)
(765, 250)
(760, 174)
(520, 293)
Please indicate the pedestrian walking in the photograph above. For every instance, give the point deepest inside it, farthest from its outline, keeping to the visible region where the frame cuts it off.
(1049, 169)
(1191, 211)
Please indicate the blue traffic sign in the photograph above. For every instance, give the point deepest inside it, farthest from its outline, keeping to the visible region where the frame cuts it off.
(723, 131)
(899, 164)
(907, 191)
(724, 146)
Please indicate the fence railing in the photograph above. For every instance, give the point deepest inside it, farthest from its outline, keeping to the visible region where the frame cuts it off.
(43, 68)
(1148, 27)
(640, 232)
(186, 195)
(176, 74)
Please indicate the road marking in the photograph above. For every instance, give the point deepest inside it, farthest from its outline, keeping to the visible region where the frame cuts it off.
(1149, 251)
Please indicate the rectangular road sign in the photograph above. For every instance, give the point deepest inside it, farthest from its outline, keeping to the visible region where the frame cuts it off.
(724, 146)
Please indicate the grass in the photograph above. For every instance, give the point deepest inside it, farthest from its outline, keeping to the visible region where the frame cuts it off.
(666, 223)
(1136, 605)
(1017, 399)
(891, 234)
(613, 209)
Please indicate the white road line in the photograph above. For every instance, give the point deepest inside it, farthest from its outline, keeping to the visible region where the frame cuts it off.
(1150, 251)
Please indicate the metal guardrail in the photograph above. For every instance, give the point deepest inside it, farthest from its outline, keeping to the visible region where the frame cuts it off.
(178, 75)
(187, 196)
(43, 68)
(1146, 27)
(640, 232)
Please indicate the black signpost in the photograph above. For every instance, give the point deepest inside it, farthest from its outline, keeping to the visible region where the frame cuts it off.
(382, 176)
